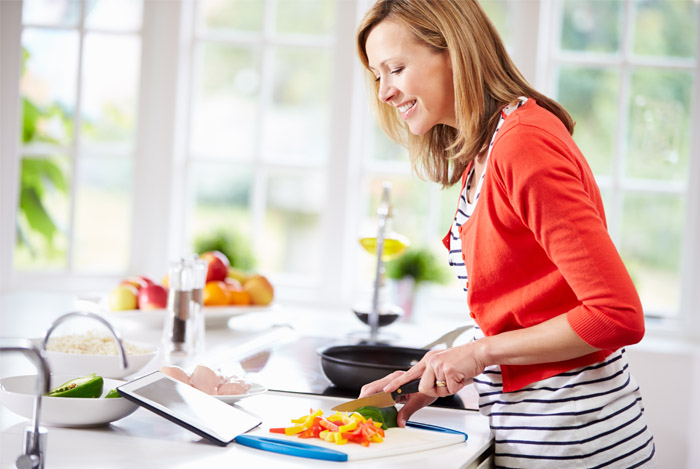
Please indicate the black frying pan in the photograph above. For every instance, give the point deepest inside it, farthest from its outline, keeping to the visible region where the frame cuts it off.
(352, 366)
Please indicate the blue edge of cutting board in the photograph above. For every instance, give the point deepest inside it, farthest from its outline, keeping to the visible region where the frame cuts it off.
(303, 450)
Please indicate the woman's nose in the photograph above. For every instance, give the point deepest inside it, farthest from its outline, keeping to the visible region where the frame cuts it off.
(386, 92)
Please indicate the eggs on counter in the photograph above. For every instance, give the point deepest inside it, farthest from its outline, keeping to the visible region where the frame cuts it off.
(207, 380)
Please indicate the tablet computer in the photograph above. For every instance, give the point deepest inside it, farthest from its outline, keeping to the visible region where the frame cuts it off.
(189, 407)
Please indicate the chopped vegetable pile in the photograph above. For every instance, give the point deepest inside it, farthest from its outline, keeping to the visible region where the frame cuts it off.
(338, 428)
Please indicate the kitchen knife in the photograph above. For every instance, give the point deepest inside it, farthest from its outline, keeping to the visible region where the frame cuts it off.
(380, 399)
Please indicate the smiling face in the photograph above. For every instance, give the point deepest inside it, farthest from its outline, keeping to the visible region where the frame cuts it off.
(412, 77)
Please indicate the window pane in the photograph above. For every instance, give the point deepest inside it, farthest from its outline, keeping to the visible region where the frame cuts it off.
(222, 199)
(497, 11)
(49, 74)
(384, 148)
(298, 120)
(110, 90)
(114, 15)
(226, 101)
(51, 12)
(659, 129)
(43, 215)
(103, 214)
(243, 15)
(292, 238)
(652, 228)
(666, 28)
(591, 25)
(589, 94)
(305, 16)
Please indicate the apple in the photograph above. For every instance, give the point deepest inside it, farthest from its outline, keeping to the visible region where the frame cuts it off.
(260, 290)
(153, 297)
(138, 281)
(217, 265)
(123, 297)
(236, 274)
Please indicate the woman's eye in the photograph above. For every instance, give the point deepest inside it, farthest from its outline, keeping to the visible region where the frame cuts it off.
(376, 78)
(396, 70)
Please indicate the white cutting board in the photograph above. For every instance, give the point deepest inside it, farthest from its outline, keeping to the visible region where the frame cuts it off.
(397, 441)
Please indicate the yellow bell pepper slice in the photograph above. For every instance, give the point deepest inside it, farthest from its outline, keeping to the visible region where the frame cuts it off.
(348, 427)
(303, 423)
(339, 440)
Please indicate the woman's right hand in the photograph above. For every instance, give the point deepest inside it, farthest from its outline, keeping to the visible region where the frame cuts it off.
(412, 402)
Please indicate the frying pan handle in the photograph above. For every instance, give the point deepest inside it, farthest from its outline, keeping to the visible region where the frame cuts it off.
(449, 338)
(408, 388)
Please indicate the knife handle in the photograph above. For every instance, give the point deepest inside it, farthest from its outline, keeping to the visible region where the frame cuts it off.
(408, 388)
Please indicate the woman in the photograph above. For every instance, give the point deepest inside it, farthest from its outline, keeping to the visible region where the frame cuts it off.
(553, 301)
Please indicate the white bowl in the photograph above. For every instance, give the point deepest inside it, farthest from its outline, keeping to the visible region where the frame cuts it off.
(17, 394)
(107, 366)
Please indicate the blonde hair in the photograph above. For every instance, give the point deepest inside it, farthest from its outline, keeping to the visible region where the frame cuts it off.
(485, 80)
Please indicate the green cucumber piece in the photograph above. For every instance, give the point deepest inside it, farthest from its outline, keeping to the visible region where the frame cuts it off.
(88, 386)
(385, 415)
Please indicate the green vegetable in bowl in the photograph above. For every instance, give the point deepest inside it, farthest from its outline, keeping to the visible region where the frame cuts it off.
(88, 386)
(384, 415)
(112, 393)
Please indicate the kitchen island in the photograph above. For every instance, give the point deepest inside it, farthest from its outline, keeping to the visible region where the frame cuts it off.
(276, 349)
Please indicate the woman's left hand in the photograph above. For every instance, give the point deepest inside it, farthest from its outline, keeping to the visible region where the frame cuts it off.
(443, 372)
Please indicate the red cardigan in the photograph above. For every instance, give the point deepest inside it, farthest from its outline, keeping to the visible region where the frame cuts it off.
(537, 246)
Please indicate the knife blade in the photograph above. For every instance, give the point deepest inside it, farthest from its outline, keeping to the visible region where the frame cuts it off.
(380, 399)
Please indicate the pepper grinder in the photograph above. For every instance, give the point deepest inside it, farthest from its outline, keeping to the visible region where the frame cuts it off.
(180, 329)
(199, 279)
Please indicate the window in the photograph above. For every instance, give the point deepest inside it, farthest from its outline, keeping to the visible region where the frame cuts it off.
(131, 128)
(259, 136)
(78, 90)
(628, 74)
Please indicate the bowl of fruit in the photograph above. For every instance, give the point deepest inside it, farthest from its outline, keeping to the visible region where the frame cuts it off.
(227, 292)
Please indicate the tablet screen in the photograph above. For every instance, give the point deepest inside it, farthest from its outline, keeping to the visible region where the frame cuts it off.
(189, 407)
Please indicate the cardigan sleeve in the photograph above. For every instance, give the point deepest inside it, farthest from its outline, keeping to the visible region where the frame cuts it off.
(553, 192)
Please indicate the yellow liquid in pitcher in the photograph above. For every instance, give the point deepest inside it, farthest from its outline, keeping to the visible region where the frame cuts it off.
(394, 245)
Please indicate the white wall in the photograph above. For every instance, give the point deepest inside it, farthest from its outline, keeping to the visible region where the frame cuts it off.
(668, 373)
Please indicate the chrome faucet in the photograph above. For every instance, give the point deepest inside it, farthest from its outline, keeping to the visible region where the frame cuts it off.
(34, 453)
(114, 332)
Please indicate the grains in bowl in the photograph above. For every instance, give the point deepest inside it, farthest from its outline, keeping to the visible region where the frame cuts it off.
(90, 343)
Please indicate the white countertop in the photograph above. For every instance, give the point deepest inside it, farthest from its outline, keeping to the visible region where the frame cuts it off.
(144, 439)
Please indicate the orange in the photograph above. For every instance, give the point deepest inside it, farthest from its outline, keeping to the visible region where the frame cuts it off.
(237, 295)
(216, 293)
(239, 298)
